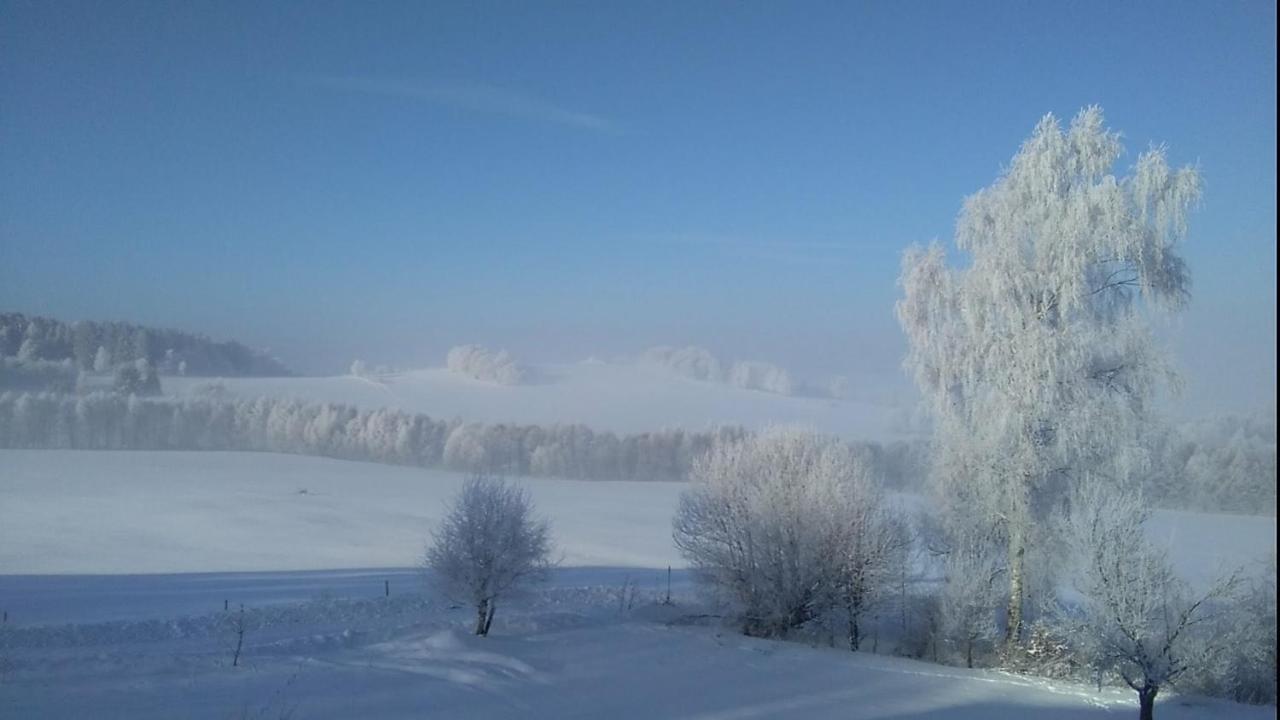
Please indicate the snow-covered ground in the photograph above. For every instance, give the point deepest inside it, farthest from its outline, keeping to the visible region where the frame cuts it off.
(569, 651)
(326, 643)
(113, 512)
(623, 398)
(169, 512)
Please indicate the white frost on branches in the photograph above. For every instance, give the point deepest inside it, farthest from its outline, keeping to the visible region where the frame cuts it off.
(1139, 617)
(756, 375)
(698, 363)
(690, 362)
(483, 364)
(1036, 355)
(488, 546)
(789, 525)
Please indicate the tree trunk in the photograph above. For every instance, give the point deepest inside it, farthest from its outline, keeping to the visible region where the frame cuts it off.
(968, 652)
(488, 621)
(482, 616)
(1147, 702)
(853, 605)
(1017, 553)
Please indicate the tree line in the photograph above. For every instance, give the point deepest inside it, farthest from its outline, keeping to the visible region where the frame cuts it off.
(102, 346)
(116, 421)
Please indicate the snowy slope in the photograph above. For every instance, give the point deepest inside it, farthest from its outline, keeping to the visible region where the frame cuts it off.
(148, 512)
(567, 652)
(621, 398)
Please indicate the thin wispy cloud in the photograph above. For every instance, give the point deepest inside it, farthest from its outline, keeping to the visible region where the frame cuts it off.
(788, 251)
(474, 97)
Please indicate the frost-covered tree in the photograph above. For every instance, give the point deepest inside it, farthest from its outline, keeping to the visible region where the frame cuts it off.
(1243, 664)
(102, 360)
(488, 546)
(762, 523)
(1139, 617)
(872, 545)
(31, 349)
(1035, 353)
(969, 597)
(483, 364)
(359, 368)
(693, 362)
(756, 375)
(128, 380)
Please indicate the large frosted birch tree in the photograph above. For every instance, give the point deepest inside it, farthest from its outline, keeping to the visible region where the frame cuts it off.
(1035, 352)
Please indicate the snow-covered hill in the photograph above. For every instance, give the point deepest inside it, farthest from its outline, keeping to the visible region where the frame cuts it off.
(624, 398)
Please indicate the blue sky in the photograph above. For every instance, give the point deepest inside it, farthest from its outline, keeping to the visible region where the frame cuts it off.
(385, 180)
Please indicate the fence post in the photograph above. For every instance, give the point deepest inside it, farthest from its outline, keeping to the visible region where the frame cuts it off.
(386, 588)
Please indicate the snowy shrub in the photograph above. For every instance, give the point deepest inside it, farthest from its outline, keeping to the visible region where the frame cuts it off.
(359, 369)
(488, 546)
(788, 526)
(698, 363)
(691, 362)
(759, 524)
(755, 375)
(479, 363)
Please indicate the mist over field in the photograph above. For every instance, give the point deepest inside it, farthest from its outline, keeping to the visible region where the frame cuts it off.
(866, 360)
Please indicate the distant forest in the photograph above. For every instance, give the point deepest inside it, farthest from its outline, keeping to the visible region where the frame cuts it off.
(103, 345)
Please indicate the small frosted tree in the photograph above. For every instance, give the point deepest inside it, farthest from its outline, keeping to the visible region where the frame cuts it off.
(969, 596)
(489, 545)
(1036, 355)
(1138, 616)
(872, 544)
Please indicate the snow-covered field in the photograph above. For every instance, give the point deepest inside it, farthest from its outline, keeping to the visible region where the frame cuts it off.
(619, 397)
(170, 512)
(573, 650)
(325, 642)
(112, 512)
